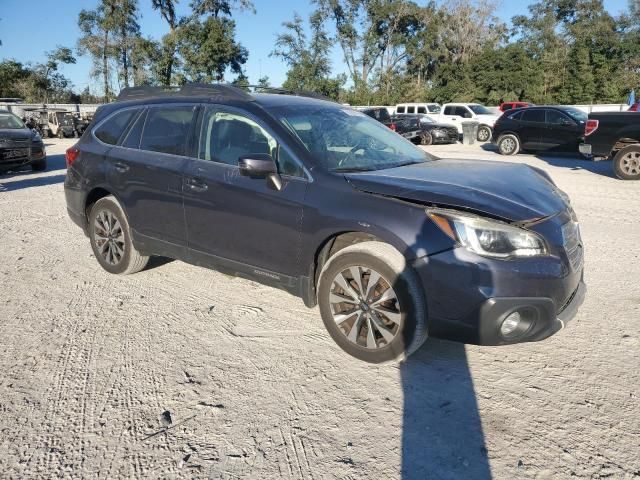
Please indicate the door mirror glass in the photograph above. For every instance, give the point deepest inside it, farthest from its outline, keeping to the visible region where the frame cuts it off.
(258, 165)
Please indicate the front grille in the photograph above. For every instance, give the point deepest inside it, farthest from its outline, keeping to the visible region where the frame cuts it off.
(572, 244)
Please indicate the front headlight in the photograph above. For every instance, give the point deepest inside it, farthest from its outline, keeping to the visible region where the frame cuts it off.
(487, 237)
(36, 137)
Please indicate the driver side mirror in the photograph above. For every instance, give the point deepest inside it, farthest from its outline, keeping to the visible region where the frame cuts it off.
(260, 165)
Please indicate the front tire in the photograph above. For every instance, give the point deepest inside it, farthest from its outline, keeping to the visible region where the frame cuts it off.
(484, 134)
(626, 163)
(426, 139)
(372, 303)
(508, 144)
(39, 165)
(60, 133)
(110, 238)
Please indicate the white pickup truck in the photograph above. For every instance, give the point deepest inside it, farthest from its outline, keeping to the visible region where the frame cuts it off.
(456, 113)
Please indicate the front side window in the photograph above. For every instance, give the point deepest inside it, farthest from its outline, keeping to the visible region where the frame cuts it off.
(556, 118)
(463, 112)
(422, 109)
(110, 131)
(342, 139)
(167, 129)
(227, 136)
(449, 110)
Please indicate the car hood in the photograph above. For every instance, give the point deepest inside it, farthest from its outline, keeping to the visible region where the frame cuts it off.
(15, 134)
(509, 191)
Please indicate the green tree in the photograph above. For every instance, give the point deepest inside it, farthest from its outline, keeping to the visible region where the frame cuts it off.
(307, 58)
(165, 65)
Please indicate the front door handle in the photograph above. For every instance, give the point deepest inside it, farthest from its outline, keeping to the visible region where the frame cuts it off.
(197, 185)
(121, 167)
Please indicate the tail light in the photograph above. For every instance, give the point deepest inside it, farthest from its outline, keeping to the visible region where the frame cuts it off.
(71, 155)
(393, 127)
(590, 127)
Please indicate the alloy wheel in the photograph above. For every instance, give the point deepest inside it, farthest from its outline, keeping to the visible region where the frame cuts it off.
(508, 145)
(630, 163)
(483, 135)
(109, 237)
(365, 307)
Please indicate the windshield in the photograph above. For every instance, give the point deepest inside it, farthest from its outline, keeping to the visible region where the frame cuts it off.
(426, 119)
(10, 121)
(346, 140)
(65, 119)
(576, 114)
(480, 110)
(434, 108)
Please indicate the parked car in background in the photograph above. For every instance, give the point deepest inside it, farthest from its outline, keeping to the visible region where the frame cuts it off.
(381, 114)
(511, 105)
(617, 135)
(456, 113)
(635, 107)
(53, 122)
(539, 128)
(424, 130)
(328, 204)
(422, 108)
(19, 145)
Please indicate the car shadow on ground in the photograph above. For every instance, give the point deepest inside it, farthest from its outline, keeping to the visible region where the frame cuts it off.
(571, 161)
(26, 178)
(442, 433)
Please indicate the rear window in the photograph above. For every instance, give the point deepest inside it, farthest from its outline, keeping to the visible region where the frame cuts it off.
(110, 131)
(536, 116)
(166, 129)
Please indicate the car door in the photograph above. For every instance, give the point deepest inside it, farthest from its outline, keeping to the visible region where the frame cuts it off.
(531, 129)
(453, 116)
(561, 132)
(242, 223)
(146, 169)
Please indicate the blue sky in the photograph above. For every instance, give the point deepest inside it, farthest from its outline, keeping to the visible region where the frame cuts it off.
(30, 27)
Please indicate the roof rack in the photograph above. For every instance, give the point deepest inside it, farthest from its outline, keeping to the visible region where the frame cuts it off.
(215, 91)
(284, 91)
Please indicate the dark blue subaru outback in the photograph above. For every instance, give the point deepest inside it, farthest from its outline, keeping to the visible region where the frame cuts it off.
(326, 203)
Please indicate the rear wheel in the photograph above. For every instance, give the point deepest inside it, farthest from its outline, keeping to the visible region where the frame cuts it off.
(484, 133)
(110, 238)
(626, 163)
(508, 144)
(60, 133)
(372, 303)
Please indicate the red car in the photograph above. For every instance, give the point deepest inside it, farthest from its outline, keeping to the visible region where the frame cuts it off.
(511, 105)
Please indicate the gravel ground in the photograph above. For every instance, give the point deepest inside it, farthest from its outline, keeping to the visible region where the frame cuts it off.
(255, 388)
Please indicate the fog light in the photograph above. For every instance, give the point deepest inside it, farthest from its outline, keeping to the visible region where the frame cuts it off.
(510, 325)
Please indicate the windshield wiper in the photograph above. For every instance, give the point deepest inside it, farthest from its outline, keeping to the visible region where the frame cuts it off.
(353, 169)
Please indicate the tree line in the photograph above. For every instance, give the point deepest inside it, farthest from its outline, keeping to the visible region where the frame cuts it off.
(559, 52)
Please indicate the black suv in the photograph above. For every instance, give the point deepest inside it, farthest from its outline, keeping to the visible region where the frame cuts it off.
(557, 129)
(328, 204)
(19, 145)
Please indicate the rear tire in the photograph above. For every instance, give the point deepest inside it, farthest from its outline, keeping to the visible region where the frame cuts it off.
(110, 238)
(484, 134)
(626, 163)
(508, 144)
(378, 322)
(39, 165)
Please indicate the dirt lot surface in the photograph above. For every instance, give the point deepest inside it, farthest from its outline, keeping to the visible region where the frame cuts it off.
(256, 388)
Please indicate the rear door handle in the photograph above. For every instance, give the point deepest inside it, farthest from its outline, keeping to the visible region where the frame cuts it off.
(197, 185)
(121, 167)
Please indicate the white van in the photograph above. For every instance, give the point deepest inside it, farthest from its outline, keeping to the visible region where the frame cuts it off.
(426, 108)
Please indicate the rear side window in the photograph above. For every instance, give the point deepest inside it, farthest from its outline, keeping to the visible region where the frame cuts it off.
(556, 118)
(167, 129)
(400, 109)
(463, 112)
(411, 109)
(449, 110)
(110, 131)
(536, 116)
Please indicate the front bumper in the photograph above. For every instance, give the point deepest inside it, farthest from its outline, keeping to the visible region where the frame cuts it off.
(18, 156)
(468, 297)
